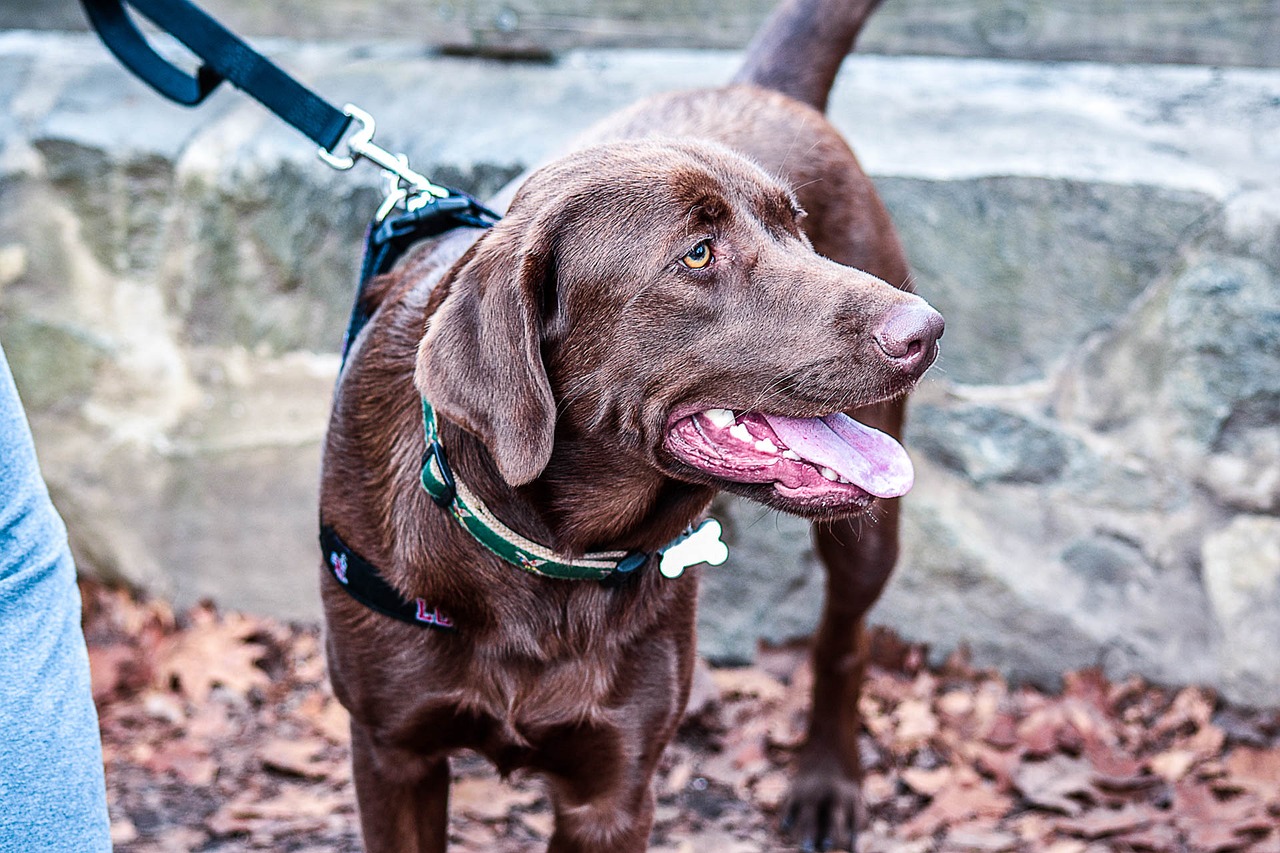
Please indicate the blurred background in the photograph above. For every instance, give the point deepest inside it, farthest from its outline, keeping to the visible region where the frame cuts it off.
(1089, 191)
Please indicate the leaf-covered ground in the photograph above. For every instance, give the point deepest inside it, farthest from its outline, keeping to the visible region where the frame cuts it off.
(220, 734)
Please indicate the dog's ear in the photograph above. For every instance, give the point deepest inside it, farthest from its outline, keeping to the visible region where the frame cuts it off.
(480, 362)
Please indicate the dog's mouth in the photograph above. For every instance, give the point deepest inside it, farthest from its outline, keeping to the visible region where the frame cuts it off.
(827, 463)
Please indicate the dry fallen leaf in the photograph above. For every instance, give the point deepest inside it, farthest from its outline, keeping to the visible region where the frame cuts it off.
(1256, 769)
(948, 755)
(297, 757)
(1173, 764)
(915, 723)
(213, 652)
(1101, 823)
(928, 782)
(1060, 784)
(486, 798)
(1212, 824)
(748, 681)
(327, 716)
(957, 804)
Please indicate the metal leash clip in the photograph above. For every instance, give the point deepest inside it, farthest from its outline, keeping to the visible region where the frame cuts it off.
(405, 187)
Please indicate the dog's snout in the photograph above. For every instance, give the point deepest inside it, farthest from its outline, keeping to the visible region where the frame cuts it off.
(909, 335)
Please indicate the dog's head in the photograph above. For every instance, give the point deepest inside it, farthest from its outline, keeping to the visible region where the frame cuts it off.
(661, 296)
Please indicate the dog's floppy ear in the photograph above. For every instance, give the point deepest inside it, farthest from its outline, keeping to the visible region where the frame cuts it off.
(480, 362)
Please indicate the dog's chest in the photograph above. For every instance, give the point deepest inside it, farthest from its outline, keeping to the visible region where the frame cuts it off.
(517, 710)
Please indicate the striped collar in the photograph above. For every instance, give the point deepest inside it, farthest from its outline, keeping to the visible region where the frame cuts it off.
(697, 544)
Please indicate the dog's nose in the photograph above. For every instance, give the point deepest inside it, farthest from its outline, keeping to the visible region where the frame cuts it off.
(909, 335)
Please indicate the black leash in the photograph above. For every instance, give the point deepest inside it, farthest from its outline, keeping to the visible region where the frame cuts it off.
(414, 208)
(421, 207)
(225, 57)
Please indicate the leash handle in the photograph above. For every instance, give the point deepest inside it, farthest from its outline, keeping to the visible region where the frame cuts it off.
(225, 57)
(130, 46)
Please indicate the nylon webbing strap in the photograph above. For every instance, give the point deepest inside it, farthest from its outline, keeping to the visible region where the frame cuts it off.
(386, 241)
(225, 57)
(361, 580)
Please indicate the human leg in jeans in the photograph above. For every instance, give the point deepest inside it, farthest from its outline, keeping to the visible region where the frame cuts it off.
(52, 795)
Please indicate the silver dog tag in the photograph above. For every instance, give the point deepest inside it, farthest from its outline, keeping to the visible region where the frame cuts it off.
(703, 545)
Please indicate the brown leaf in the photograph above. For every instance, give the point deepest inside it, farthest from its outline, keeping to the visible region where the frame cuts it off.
(955, 703)
(1091, 687)
(914, 723)
(212, 652)
(770, 790)
(291, 807)
(1269, 844)
(116, 668)
(748, 681)
(1158, 838)
(1213, 824)
(956, 804)
(928, 782)
(679, 775)
(995, 763)
(327, 716)
(705, 691)
(1191, 708)
(981, 837)
(541, 824)
(486, 798)
(1038, 733)
(1101, 823)
(297, 757)
(123, 831)
(1110, 764)
(1173, 764)
(878, 789)
(1059, 784)
(1003, 732)
(1257, 769)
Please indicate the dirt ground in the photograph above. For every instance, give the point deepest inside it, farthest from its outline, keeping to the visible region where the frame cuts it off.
(220, 734)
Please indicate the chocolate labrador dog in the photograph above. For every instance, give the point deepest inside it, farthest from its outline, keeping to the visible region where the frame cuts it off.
(691, 301)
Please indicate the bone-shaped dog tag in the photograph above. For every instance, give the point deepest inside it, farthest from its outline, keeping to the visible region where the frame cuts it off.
(701, 546)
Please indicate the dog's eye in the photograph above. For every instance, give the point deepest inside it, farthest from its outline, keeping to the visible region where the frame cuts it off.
(699, 256)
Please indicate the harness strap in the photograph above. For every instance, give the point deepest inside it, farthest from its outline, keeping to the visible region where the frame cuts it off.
(362, 582)
(386, 240)
(224, 57)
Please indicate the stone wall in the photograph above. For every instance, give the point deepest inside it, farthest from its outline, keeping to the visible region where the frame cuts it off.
(1098, 458)
(1227, 32)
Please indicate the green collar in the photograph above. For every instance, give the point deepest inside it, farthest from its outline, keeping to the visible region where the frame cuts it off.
(699, 544)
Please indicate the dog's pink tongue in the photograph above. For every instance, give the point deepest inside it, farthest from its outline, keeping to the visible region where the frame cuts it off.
(866, 457)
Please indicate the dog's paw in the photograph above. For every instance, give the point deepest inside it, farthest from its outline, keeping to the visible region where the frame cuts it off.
(824, 808)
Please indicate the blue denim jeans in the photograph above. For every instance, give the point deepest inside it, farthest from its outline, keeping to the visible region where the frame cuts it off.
(52, 794)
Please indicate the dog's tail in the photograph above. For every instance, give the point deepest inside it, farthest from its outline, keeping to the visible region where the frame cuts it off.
(799, 49)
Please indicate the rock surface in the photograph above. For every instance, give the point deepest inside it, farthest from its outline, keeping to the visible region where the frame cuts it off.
(1233, 32)
(1097, 452)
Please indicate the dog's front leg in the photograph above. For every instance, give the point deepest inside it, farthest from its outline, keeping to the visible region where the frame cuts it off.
(403, 797)
(601, 771)
(825, 808)
(616, 822)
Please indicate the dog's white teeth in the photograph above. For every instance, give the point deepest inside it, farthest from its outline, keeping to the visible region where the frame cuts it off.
(739, 431)
(721, 418)
(829, 474)
(766, 446)
(791, 454)
(843, 480)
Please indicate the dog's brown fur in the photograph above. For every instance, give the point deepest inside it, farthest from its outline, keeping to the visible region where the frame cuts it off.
(557, 348)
